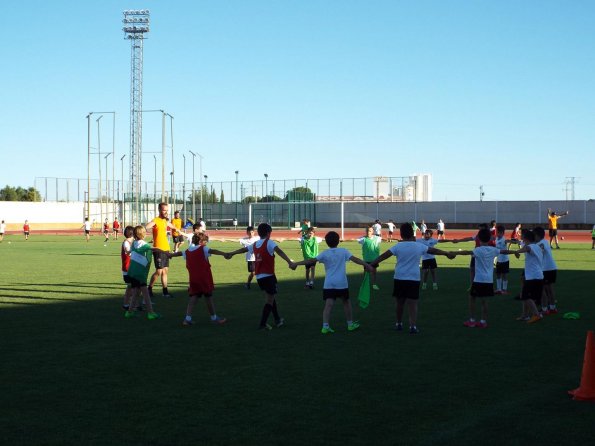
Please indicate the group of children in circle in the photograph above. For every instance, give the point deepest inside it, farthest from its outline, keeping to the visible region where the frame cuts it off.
(491, 247)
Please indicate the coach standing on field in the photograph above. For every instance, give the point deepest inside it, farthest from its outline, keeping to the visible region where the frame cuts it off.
(159, 225)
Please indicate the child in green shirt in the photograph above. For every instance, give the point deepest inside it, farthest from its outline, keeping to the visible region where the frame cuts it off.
(370, 250)
(309, 243)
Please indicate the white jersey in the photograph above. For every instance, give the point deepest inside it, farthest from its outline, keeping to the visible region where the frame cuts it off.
(2, 228)
(377, 229)
(247, 241)
(391, 226)
(87, 226)
(484, 263)
(440, 226)
(501, 244)
(534, 262)
(334, 260)
(408, 255)
(430, 243)
(549, 264)
(423, 227)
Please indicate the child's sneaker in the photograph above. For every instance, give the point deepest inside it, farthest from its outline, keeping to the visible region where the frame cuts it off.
(168, 296)
(552, 311)
(187, 322)
(481, 324)
(219, 320)
(523, 318)
(498, 292)
(534, 319)
(424, 286)
(328, 330)
(376, 287)
(504, 292)
(470, 323)
(280, 323)
(354, 326)
(399, 326)
(152, 316)
(435, 287)
(265, 327)
(129, 314)
(413, 330)
(247, 286)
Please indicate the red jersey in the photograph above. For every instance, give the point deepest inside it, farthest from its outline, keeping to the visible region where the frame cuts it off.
(125, 256)
(516, 234)
(492, 242)
(106, 226)
(264, 263)
(199, 271)
(116, 224)
(25, 228)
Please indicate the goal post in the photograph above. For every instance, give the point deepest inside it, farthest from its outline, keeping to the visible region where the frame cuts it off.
(287, 214)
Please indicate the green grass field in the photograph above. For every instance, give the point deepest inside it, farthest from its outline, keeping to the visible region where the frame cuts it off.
(75, 371)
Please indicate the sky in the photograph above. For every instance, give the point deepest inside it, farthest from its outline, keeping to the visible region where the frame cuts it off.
(476, 93)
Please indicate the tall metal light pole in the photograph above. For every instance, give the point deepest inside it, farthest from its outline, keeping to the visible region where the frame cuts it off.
(136, 25)
(123, 193)
(184, 190)
(193, 199)
(99, 165)
(266, 187)
(88, 117)
(106, 185)
(155, 180)
(171, 134)
(237, 172)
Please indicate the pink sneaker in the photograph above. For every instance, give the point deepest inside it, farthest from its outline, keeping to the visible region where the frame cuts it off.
(470, 323)
(481, 324)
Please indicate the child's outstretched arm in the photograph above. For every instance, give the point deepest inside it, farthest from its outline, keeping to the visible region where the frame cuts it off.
(229, 255)
(381, 258)
(359, 261)
(450, 254)
(466, 239)
(216, 252)
(281, 254)
(306, 262)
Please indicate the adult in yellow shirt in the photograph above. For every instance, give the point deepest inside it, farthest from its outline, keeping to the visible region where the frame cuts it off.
(177, 233)
(159, 226)
(552, 218)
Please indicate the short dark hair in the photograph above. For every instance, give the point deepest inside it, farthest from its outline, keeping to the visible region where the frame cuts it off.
(406, 230)
(264, 229)
(249, 229)
(483, 226)
(429, 231)
(493, 222)
(199, 238)
(176, 212)
(539, 232)
(484, 235)
(195, 226)
(162, 205)
(128, 231)
(529, 235)
(500, 228)
(332, 239)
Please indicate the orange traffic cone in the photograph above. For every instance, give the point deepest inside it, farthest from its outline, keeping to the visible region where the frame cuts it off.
(586, 391)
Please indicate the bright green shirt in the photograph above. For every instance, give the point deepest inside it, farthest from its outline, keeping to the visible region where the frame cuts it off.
(310, 247)
(140, 261)
(370, 247)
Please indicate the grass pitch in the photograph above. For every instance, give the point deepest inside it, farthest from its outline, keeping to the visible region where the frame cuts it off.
(74, 371)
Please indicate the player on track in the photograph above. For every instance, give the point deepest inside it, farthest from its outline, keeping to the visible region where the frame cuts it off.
(391, 229)
(553, 218)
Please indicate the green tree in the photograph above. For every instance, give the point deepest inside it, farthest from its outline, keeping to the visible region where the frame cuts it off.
(221, 197)
(9, 193)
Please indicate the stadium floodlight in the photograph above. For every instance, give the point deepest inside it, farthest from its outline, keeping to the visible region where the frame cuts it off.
(193, 199)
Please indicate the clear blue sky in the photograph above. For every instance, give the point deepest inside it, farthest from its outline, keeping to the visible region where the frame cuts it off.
(499, 93)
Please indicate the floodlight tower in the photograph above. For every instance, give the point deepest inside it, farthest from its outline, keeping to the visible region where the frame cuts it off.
(136, 25)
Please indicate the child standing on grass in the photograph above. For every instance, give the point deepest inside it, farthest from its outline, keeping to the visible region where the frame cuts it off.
(309, 244)
(533, 282)
(249, 240)
(391, 229)
(26, 229)
(370, 251)
(138, 271)
(264, 251)
(428, 261)
(2, 230)
(482, 286)
(407, 275)
(515, 237)
(335, 282)
(125, 252)
(200, 277)
(106, 230)
(550, 272)
(502, 261)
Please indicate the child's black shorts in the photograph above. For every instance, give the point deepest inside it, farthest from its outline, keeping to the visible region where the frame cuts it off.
(250, 264)
(429, 264)
(333, 293)
(268, 284)
(502, 267)
(406, 289)
(479, 289)
(532, 289)
(136, 284)
(126, 278)
(549, 277)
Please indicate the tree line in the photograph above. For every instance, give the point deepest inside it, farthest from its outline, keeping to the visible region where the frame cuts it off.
(9, 193)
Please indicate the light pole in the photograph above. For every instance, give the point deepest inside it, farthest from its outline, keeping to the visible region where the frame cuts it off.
(123, 193)
(99, 165)
(207, 197)
(193, 198)
(184, 190)
(88, 117)
(266, 185)
(171, 134)
(155, 182)
(237, 172)
(171, 176)
(106, 185)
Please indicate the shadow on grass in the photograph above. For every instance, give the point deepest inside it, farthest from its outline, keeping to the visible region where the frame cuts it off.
(447, 385)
